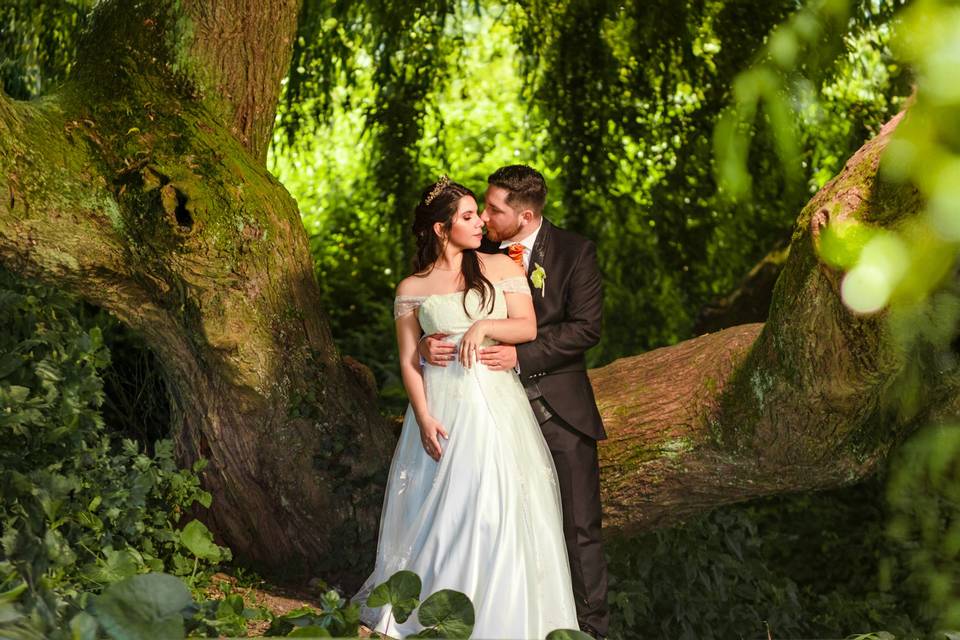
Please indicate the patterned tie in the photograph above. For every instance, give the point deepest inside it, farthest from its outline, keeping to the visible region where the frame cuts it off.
(515, 251)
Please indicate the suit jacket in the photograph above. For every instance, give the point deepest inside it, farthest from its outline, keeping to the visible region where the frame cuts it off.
(569, 315)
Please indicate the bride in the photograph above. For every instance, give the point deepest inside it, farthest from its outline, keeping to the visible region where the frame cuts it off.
(472, 501)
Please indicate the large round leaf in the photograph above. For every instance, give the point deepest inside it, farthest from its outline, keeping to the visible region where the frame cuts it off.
(143, 607)
(568, 634)
(401, 591)
(198, 539)
(449, 613)
(309, 632)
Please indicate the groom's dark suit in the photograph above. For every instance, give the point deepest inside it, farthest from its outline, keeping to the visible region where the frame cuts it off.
(553, 371)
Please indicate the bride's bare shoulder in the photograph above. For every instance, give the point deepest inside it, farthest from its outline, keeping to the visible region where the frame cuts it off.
(412, 286)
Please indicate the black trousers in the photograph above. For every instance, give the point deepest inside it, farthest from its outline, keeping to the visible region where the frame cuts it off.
(578, 471)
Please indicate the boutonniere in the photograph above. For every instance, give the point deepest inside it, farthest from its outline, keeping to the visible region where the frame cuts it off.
(539, 279)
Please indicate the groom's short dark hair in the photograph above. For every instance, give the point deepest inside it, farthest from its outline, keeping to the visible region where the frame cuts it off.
(526, 186)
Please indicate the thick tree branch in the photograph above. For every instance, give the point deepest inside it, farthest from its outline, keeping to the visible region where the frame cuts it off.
(808, 400)
(246, 47)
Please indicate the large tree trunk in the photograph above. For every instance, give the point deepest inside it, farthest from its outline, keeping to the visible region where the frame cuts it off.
(141, 186)
(809, 400)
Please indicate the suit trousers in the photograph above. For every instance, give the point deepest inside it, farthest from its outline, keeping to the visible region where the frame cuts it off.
(578, 471)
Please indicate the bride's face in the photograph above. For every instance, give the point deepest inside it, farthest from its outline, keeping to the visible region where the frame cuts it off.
(466, 230)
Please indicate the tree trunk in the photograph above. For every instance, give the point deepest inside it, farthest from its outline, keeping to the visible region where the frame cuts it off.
(141, 186)
(809, 400)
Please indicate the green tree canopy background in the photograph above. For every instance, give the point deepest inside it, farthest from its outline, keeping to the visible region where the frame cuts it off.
(614, 103)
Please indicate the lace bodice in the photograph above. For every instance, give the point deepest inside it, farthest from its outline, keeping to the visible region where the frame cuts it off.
(443, 312)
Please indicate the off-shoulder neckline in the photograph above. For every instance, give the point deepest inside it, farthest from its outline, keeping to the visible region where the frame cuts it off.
(450, 293)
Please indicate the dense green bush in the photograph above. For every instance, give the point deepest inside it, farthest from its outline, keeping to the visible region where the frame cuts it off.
(705, 579)
(875, 556)
(81, 508)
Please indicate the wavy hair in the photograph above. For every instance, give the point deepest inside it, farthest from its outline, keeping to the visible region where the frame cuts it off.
(442, 207)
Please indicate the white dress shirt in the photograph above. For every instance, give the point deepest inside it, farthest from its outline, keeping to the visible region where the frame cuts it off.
(527, 246)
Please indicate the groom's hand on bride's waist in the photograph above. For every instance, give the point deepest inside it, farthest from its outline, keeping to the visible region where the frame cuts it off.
(434, 350)
(500, 357)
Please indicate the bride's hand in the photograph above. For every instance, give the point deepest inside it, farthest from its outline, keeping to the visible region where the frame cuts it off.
(430, 428)
(470, 343)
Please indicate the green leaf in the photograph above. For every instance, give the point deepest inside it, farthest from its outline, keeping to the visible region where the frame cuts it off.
(568, 634)
(448, 612)
(17, 394)
(309, 632)
(9, 362)
(401, 591)
(198, 539)
(842, 241)
(12, 595)
(232, 605)
(144, 606)
(83, 626)
(88, 520)
(118, 565)
(9, 613)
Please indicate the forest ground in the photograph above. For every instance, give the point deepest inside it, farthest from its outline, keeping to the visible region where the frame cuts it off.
(261, 593)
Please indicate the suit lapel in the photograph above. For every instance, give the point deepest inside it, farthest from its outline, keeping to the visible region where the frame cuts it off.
(539, 246)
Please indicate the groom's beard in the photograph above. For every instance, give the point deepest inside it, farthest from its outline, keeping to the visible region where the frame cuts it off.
(494, 236)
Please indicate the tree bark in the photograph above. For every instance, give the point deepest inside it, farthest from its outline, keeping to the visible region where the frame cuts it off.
(140, 185)
(809, 400)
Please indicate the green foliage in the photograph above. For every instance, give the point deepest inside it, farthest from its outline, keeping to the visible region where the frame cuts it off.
(702, 580)
(623, 137)
(143, 606)
(567, 634)
(136, 401)
(924, 493)
(337, 618)
(444, 614)
(214, 618)
(79, 509)
(807, 41)
(813, 565)
(38, 43)
(151, 605)
(906, 267)
(401, 591)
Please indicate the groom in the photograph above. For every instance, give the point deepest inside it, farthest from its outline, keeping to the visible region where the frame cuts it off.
(568, 299)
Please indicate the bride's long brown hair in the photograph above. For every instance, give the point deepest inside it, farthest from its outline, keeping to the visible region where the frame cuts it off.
(442, 207)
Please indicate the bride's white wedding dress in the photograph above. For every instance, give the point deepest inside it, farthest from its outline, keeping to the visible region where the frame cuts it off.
(484, 520)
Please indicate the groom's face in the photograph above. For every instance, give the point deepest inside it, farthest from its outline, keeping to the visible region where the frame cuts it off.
(503, 221)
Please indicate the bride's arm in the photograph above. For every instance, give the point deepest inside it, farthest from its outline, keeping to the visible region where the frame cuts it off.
(408, 334)
(520, 325)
